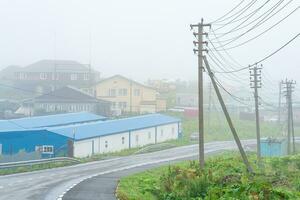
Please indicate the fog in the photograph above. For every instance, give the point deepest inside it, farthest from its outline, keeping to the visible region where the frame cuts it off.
(138, 39)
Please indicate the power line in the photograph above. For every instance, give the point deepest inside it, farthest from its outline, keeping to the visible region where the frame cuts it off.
(232, 76)
(255, 37)
(218, 19)
(260, 22)
(270, 55)
(264, 15)
(263, 59)
(241, 12)
(223, 49)
(238, 99)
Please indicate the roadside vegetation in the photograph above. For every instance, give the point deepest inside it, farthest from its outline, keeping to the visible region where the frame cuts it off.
(35, 167)
(224, 177)
(96, 157)
(216, 129)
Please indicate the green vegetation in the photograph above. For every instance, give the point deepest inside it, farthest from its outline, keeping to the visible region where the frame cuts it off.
(35, 167)
(96, 157)
(224, 177)
(217, 128)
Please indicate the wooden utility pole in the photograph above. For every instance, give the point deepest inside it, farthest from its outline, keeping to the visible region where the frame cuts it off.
(199, 36)
(289, 89)
(234, 133)
(255, 83)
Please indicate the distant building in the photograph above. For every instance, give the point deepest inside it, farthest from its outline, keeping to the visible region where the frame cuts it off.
(8, 73)
(162, 85)
(129, 96)
(65, 99)
(47, 75)
(187, 99)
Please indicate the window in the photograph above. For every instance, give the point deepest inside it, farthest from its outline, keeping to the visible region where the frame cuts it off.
(86, 77)
(43, 76)
(73, 77)
(112, 92)
(136, 92)
(149, 135)
(161, 132)
(137, 138)
(45, 149)
(173, 130)
(122, 105)
(23, 76)
(123, 92)
(106, 144)
(123, 140)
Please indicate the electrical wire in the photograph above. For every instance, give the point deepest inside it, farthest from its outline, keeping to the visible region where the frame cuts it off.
(273, 53)
(263, 59)
(255, 37)
(264, 17)
(241, 12)
(230, 11)
(238, 99)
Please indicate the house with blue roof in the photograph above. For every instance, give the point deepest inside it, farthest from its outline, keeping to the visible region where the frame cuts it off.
(94, 137)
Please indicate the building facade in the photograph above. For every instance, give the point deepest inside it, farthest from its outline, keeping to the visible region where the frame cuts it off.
(129, 96)
(47, 75)
(65, 100)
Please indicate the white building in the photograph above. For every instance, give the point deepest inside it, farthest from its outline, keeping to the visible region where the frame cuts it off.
(116, 135)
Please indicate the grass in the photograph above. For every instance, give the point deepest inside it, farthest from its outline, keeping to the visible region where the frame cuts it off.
(96, 157)
(35, 167)
(217, 129)
(224, 177)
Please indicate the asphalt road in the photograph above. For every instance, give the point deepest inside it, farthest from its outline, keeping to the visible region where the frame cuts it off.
(79, 180)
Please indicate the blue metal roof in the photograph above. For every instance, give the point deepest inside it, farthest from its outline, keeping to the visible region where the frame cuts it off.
(48, 121)
(9, 125)
(96, 129)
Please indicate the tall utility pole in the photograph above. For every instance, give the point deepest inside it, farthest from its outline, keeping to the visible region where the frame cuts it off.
(228, 118)
(279, 104)
(255, 83)
(199, 36)
(289, 85)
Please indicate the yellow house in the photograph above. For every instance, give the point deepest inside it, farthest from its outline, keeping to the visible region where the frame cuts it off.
(129, 96)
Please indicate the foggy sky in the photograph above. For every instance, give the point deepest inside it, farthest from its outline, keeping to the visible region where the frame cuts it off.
(137, 38)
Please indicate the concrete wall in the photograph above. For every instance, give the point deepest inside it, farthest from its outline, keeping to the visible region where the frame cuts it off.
(121, 141)
(104, 144)
(142, 137)
(167, 132)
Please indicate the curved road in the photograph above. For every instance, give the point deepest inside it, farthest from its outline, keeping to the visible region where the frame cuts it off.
(99, 178)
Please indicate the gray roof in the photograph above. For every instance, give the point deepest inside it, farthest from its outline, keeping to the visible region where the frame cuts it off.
(59, 65)
(67, 94)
